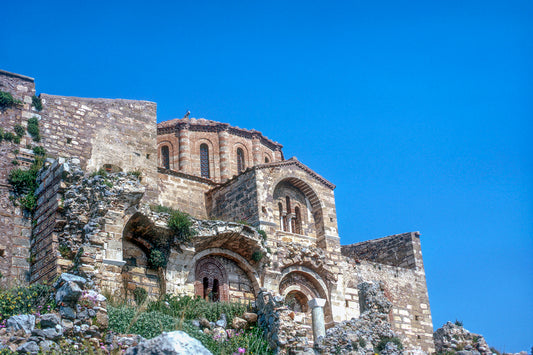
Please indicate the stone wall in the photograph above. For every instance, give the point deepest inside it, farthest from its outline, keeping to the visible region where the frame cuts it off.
(103, 131)
(15, 226)
(236, 200)
(46, 259)
(394, 250)
(183, 192)
(405, 287)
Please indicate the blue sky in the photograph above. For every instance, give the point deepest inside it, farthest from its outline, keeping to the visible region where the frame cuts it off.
(420, 112)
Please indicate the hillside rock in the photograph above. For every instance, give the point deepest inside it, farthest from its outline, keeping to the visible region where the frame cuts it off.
(172, 343)
(453, 337)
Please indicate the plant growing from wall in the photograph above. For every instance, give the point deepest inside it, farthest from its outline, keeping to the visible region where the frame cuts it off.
(8, 136)
(19, 130)
(33, 128)
(257, 255)
(181, 225)
(24, 183)
(36, 102)
(7, 100)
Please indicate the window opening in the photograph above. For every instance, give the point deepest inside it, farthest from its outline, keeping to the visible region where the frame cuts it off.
(266, 160)
(240, 160)
(165, 157)
(215, 296)
(297, 220)
(204, 161)
(206, 286)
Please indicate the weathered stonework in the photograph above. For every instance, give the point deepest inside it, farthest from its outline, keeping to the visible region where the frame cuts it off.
(266, 226)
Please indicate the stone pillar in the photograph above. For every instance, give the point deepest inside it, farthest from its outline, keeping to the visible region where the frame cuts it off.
(317, 313)
(256, 149)
(185, 151)
(225, 161)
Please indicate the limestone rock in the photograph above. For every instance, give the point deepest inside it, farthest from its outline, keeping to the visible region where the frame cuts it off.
(250, 317)
(30, 347)
(239, 323)
(172, 343)
(23, 322)
(49, 320)
(68, 294)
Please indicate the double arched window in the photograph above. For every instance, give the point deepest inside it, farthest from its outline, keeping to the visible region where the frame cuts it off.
(289, 221)
(204, 161)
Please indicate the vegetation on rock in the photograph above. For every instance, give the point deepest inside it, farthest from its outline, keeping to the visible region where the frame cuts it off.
(7, 100)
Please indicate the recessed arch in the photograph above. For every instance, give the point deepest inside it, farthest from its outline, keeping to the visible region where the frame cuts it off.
(238, 259)
(312, 199)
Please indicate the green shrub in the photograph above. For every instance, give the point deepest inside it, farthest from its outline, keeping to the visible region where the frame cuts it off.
(26, 300)
(180, 223)
(8, 136)
(16, 139)
(100, 172)
(28, 202)
(186, 307)
(136, 173)
(383, 342)
(1, 134)
(37, 102)
(458, 323)
(257, 255)
(23, 181)
(7, 100)
(19, 130)
(157, 258)
(37, 150)
(33, 128)
(140, 295)
(263, 234)
(126, 319)
(362, 342)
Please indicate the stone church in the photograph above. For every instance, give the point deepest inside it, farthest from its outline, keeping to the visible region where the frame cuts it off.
(262, 221)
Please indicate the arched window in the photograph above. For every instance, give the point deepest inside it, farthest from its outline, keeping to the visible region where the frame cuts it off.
(240, 160)
(165, 157)
(266, 160)
(297, 221)
(204, 161)
(288, 200)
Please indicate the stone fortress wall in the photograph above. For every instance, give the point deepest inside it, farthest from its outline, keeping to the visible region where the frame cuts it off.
(213, 172)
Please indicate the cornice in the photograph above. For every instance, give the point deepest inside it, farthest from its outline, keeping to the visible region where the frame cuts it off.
(296, 162)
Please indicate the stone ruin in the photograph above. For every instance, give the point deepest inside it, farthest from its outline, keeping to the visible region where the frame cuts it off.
(264, 222)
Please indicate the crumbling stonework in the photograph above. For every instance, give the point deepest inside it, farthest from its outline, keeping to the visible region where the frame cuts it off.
(455, 338)
(262, 222)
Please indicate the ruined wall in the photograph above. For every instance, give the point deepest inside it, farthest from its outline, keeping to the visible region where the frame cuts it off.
(15, 226)
(103, 131)
(183, 137)
(405, 287)
(183, 192)
(46, 259)
(395, 250)
(236, 200)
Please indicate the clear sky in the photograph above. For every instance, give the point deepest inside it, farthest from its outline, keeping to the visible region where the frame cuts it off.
(421, 112)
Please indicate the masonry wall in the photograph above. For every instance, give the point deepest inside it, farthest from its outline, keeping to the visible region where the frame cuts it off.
(46, 260)
(236, 200)
(103, 131)
(405, 287)
(183, 192)
(396, 250)
(15, 226)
